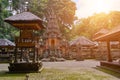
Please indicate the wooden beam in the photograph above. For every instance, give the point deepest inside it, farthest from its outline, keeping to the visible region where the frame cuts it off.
(37, 52)
(109, 52)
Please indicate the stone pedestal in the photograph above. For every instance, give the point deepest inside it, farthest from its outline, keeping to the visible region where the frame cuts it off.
(25, 67)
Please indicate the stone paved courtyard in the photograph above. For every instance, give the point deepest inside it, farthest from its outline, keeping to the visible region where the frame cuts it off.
(72, 64)
(86, 67)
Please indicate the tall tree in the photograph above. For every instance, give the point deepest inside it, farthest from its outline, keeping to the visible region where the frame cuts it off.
(6, 31)
(64, 10)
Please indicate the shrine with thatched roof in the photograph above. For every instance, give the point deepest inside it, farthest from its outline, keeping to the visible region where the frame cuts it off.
(25, 20)
(81, 45)
(27, 44)
(6, 50)
(5, 45)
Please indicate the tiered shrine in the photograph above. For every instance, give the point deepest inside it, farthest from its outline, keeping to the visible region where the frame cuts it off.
(27, 44)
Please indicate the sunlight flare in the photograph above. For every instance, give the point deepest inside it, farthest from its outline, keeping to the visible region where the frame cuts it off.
(87, 8)
(102, 6)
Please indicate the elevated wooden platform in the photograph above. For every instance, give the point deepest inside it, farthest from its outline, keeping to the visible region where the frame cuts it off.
(25, 67)
(115, 66)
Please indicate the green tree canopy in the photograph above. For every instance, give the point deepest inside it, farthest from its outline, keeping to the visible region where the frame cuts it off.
(6, 31)
(64, 9)
(89, 26)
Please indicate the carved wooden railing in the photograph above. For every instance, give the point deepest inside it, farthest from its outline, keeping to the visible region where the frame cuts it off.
(27, 42)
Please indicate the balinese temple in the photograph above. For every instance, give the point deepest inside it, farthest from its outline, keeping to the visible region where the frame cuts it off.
(52, 37)
(27, 43)
(113, 35)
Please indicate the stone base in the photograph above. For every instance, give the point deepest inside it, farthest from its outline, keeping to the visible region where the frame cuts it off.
(53, 59)
(79, 59)
(25, 67)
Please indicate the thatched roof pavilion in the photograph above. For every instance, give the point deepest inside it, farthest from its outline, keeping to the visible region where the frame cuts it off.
(83, 41)
(27, 23)
(6, 46)
(25, 20)
(6, 42)
(113, 35)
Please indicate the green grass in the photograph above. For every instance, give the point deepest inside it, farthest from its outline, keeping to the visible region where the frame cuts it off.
(113, 73)
(57, 74)
(12, 76)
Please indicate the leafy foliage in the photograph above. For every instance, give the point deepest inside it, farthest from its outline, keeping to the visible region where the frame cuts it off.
(89, 26)
(6, 31)
(64, 10)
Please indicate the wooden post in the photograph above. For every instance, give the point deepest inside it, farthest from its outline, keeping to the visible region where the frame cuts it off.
(91, 52)
(8, 50)
(21, 55)
(15, 54)
(34, 58)
(109, 52)
(79, 56)
(37, 54)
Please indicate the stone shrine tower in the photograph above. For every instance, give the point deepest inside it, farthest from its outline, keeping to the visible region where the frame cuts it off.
(52, 36)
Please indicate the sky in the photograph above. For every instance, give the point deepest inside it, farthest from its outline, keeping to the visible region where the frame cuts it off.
(87, 8)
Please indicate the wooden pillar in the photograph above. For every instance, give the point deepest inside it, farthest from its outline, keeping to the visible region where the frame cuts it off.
(8, 50)
(91, 52)
(15, 54)
(21, 55)
(109, 52)
(119, 47)
(79, 52)
(34, 58)
(37, 54)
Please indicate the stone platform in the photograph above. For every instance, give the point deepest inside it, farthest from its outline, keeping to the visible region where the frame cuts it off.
(25, 67)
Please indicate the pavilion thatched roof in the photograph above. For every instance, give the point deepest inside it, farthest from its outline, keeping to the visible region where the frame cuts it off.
(101, 32)
(25, 20)
(113, 35)
(25, 16)
(82, 41)
(6, 42)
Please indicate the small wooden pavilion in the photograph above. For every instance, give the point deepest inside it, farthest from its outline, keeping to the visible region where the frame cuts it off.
(6, 50)
(113, 35)
(5, 46)
(27, 44)
(80, 44)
